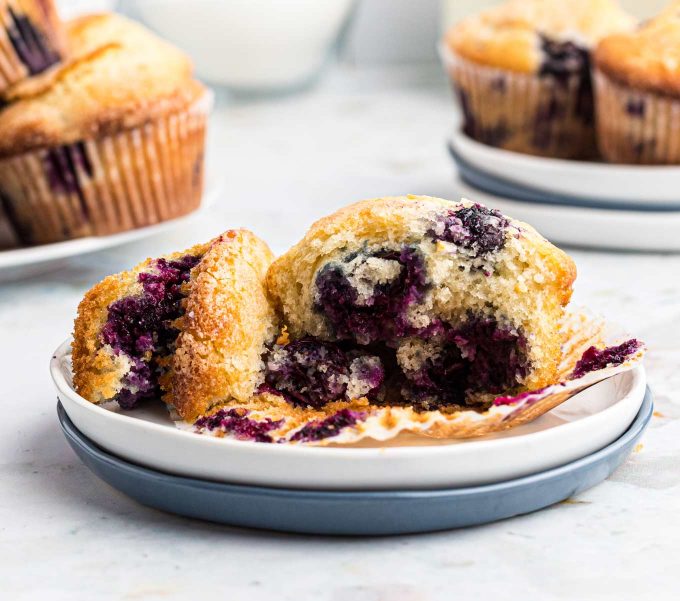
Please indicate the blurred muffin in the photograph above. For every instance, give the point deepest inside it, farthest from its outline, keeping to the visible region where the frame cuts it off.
(31, 39)
(521, 72)
(637, 81)
(110, 141)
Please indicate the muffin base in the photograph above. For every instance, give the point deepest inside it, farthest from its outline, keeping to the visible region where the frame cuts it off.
(636, 126)
(524, 112)
(132, 179)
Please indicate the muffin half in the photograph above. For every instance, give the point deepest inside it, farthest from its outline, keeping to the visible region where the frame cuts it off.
(637, 79)
(31, 39)
(521, 73)
(111, 141)
(419, 301)
(190, 327)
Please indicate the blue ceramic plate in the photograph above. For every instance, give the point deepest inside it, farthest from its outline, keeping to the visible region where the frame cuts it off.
(354, 513)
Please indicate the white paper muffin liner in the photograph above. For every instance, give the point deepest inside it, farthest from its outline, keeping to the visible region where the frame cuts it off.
(350, 422)
(132, 179)
(523, 112)
(636, 126)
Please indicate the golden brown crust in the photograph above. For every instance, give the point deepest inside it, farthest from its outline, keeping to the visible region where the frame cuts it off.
(120, 76)
(508, 36)
(96, 371)
(228, 322)
(646, 59)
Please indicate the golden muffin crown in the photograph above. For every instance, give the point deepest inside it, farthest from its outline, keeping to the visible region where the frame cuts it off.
(119, 76)
(648, 58)
(508, 36)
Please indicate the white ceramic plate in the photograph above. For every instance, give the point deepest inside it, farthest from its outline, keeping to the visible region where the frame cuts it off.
(25, 262)
(607, 183)
(592, 228)
(582, 425)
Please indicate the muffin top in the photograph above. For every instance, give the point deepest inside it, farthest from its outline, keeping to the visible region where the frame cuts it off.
(119, 76)
(647, 58)
(511, 36)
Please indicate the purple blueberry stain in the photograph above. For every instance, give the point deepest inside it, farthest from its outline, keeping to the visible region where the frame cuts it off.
(527, 395)
(478, 356)
(594, 359)
(378, 312)
(499, 84)
(563, 61)
(477, 227)
(492, 135)
(30, 44)
(311, 373)
(329, 427)
(635, 107)
(236, 423)
(142, 327)
(64, 167)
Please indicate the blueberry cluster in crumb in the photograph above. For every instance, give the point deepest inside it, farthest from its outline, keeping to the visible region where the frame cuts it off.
(141, 327)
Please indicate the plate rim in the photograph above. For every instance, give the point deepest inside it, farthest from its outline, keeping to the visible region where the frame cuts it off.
(635, 429)
(58, 377)
(474, 151)
(485, 181)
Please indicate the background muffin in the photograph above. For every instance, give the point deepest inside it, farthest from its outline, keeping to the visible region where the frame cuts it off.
(637, 77)
(31, 39)
(110, 141)
(521, 72)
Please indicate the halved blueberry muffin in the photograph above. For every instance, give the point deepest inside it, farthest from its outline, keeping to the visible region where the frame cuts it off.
(521, 73)
(394, 314)
(109, 141)
(190, 327)
(637, 79)
(31, 39)
(440, 305)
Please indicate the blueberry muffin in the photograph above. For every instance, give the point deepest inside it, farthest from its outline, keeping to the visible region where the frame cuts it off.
(394, 314)
(189, 327)
(521, 73)
(437, 304)
(637, 81)
(31, 39)
(109, 141)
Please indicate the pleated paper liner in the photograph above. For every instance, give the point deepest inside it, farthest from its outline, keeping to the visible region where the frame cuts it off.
(276, 420)
(523, 112)
(635, 126)
(31, 39)
(132, 179)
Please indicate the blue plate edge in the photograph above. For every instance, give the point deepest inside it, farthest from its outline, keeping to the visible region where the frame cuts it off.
(500, 186)
(636, 428)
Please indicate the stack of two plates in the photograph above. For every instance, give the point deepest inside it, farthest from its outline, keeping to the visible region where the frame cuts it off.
(410, 485)
(598, 205)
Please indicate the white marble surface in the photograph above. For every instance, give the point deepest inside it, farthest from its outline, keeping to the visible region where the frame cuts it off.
(66, 535)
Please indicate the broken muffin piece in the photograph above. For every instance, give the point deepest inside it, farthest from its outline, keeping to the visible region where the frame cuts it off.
(189, 328)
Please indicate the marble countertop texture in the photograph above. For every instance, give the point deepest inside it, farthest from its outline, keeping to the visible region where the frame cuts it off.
(64, 534)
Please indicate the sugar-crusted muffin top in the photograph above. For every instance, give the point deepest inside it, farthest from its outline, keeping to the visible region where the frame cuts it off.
(647, 58)
(509, 36)
(119, 76)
